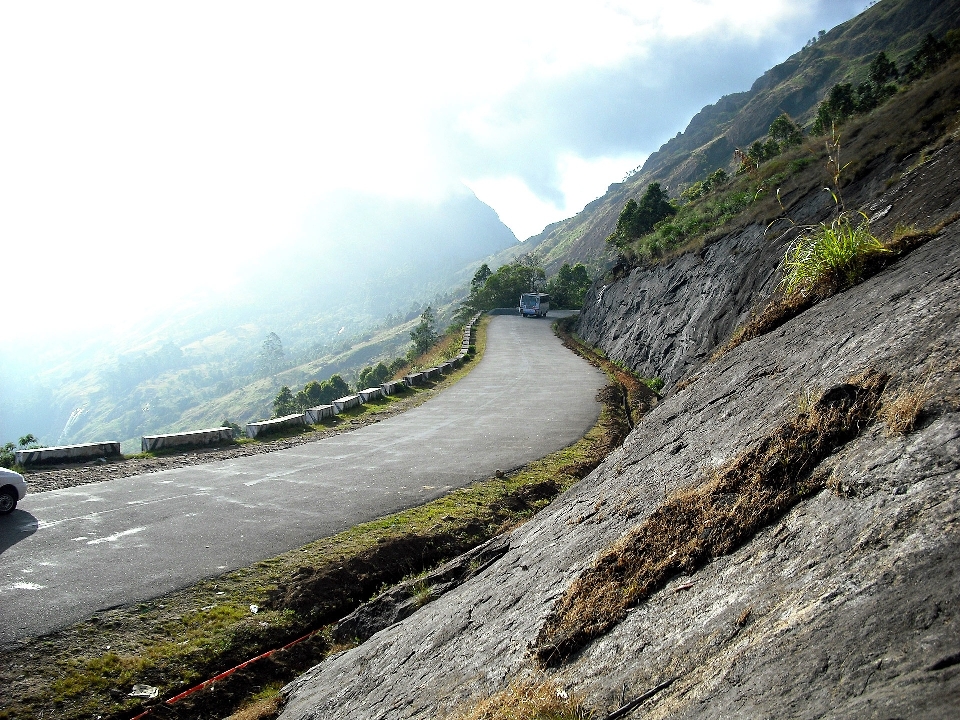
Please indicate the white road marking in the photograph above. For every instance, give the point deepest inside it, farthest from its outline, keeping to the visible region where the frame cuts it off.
(45, 524)
(116, 536)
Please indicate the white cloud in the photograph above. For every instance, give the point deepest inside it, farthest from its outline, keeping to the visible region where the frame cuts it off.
(155, 148)
(581, 181)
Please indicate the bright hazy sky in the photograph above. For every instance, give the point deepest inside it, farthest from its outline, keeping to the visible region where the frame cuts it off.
(149, 149)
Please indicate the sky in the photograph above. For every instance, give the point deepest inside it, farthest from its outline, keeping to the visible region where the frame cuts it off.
(150, 151)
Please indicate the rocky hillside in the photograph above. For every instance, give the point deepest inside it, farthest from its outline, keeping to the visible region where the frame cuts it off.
(796, 86)
(666, 320)
(777, 538)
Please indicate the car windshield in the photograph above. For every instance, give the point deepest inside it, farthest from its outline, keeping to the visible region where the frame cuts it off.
(528, 300)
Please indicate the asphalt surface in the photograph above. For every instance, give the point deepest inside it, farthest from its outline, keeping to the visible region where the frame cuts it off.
(66, 554)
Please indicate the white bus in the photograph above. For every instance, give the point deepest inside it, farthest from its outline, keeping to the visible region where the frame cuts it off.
(534, 304)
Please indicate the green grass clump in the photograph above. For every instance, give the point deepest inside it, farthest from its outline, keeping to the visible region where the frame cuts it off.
(832, 254)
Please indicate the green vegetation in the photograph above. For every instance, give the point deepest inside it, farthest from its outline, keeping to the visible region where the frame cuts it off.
(8, 458)
(833, 253)
(844, 101)
(716, 202)
(489, 290)
(638, 218)
(708, 204)
(314, 393)
(569, 286)
(375, 375)
(655, 384)
(700, 188)
(424, 335)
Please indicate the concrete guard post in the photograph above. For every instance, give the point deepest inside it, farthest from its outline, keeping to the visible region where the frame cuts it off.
(414, 379)
(371, 393)
(192, 438)
(390, 388)
(318, 413)
(265, 427)
(345, 403)
(67, 453)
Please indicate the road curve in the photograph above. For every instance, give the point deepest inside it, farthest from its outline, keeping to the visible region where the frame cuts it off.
(67, 553)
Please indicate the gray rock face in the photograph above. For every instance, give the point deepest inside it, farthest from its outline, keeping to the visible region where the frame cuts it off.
(665, 321)
(847, 606)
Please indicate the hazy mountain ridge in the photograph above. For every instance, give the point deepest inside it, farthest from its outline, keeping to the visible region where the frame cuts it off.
(339, 296)
(795, 86)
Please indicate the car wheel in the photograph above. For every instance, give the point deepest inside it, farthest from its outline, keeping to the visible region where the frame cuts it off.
(8, 501)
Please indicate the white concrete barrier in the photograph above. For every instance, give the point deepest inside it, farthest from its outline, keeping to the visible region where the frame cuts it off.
(264, 427)
(414, 379)
(192, 438)
(67, 453)
(368, 394)
(318, 413)
(432, 373)
(391, 387)
(345, 403)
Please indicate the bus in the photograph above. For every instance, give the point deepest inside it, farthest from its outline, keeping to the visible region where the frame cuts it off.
(534, 304)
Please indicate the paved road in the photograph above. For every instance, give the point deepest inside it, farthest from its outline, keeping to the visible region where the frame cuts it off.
(68, 553)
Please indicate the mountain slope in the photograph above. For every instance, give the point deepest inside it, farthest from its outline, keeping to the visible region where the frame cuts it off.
(796, 86)
(838, 601)
(778, 536)
(362, 270)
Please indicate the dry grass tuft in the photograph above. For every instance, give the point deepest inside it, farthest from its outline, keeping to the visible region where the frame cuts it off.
(264, 709)
(701, 523)
(903, 409)
(526, 701)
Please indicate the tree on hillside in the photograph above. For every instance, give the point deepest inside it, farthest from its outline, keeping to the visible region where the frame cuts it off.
(372, 376)
(930, 56)
(785, 131)
(336, 386)
(700, 188)
(321, 393)
(270, 359)
(284, 403)
(424, 335)
(883, 70)
(638, 218)
(568, 287)
(480, 277)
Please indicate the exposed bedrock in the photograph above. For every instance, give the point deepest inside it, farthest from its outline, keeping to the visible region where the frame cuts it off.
(665, 321)
(846, 604)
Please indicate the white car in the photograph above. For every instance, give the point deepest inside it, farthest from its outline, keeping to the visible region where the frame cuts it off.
(12, 489)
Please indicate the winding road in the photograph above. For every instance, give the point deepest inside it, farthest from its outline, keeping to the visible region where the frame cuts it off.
(66, 554)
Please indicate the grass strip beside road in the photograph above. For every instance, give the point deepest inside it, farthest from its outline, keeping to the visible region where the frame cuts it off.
(176, 641)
